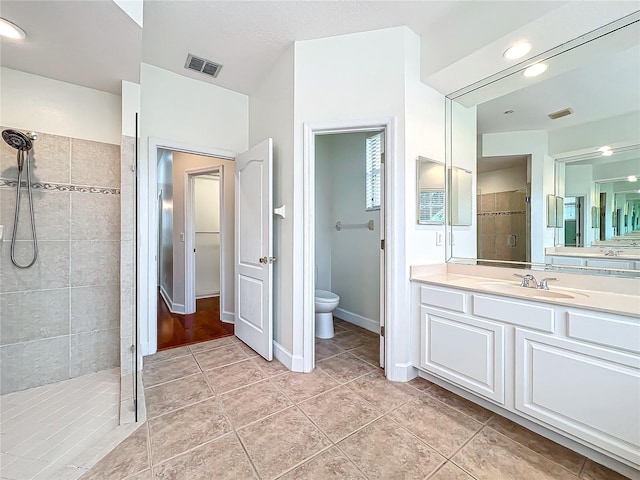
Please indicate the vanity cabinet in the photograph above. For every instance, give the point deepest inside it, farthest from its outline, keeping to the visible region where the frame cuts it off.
(572, 370)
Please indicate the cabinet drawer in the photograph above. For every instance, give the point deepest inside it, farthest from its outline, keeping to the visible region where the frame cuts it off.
(514, 312)
(589, 392)
(605, 263)
(464, 350)
(443, 298)
(617, 333)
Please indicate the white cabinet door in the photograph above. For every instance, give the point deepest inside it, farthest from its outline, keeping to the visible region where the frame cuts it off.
(464, 350)
(587, 391)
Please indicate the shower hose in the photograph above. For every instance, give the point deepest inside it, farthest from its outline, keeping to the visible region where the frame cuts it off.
(24, 163)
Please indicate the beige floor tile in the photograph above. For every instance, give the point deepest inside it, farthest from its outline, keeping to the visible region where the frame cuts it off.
(222, 459)
(254, 402)
(176, 394)
(270, 369)
(545, 447)
(60, 472)
(339, 412)
(384, 450)
(166, 355)
(277, 443)
(128, 458)
(172, 369)
(461, 404)
(491, 456)
(345, 367)
(380, 392)
(22, 468)
(420, 383)
(184, 429)
(595, 471)
(146, 475)
(301, 386)
(211, 344)
(349, 340)
(329, 465)
(450, 472)
(233, 376)
(219, 357)
(438, 425)
(248, 351)
(368, 353)
(326, 349)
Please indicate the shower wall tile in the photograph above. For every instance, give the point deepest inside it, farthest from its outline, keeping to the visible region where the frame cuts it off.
(95, 217)
(51, 212)
(95, 163)
(50, 271)
(488, 202)
(503, 201)
(85, 317)
(95, 263)
(51, 159)
(29, 364)
(34, 315)
(93, 351)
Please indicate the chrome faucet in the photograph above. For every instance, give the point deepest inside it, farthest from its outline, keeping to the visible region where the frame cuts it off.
(528, 279)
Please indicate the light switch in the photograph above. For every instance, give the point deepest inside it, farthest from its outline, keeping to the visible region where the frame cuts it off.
(182, 237)
(438, 239)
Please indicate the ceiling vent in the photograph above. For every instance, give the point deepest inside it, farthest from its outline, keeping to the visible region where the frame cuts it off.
(560, 114)
(203, 66)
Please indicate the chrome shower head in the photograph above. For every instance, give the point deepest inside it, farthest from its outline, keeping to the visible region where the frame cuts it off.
(17, 140)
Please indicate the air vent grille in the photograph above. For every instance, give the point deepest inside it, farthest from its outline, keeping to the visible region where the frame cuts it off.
(560, 114)
(203, 66)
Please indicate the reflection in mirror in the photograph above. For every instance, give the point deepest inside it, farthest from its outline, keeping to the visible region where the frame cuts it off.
(461, 196)
(430, 201)
(522, 127)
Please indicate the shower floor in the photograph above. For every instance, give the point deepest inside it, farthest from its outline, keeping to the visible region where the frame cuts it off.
(44, 428)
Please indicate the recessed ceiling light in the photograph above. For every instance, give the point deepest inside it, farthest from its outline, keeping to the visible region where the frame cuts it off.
(607, 153)
(632, 178)
(11, 30)
(517, 51)
(604, 148)
(535, 70)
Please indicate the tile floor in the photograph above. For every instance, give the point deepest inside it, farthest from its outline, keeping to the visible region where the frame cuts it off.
(218, 411)
(44, 428)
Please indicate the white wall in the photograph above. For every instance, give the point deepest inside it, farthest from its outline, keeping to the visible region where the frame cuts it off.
(165, 188)
(534, 143)
(324, 210)
(31, 102)
(464, 147)
(181, 163)
(271, 115)
(579, 183)
(354, 262)
(130, 106)
(503, 180)
(207, 237)
(190, 113)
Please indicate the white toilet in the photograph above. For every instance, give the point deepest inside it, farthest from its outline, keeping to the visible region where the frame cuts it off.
(326, 303)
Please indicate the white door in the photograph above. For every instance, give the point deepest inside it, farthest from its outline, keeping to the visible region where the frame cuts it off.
(254, 249)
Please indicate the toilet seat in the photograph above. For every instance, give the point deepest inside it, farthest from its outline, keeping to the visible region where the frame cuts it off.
(323, 296)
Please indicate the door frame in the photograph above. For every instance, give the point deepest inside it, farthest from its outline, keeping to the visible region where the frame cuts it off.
(148, 233)
(190, 234)
(386, 124)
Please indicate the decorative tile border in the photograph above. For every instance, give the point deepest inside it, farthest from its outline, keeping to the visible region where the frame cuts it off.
(60, 187)
(495, 214)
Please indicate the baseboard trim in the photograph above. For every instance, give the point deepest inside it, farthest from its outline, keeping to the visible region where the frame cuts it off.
(401, 372)
(358, 320)
(284, 356)
(173, 307)
(228, 317)
(208, 295)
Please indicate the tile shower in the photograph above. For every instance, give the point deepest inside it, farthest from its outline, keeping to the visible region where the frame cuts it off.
(502, 226)
(61, 317)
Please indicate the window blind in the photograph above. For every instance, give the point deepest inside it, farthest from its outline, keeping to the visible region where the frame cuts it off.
(431, 206)
(373, 171)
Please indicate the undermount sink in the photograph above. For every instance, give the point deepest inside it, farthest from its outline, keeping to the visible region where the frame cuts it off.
(510, 288)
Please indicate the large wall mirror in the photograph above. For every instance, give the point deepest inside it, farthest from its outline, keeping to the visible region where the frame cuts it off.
(572, 133)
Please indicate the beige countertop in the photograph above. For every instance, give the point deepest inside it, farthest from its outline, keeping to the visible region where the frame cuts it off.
(504, 284)
(595, 252)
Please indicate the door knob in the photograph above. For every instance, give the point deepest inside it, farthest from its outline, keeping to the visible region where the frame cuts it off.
(267, 260)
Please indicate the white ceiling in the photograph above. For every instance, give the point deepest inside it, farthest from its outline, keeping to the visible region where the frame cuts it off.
(489, 164)
(90, 43)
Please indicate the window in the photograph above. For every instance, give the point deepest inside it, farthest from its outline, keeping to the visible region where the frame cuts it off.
(431, 206)
(373, 170)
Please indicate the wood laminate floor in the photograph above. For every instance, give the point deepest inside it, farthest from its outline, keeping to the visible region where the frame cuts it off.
(175, 330)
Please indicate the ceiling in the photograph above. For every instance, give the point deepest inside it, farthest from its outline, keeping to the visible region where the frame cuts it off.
(489, 164)
(95, 44)
(90, 43)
